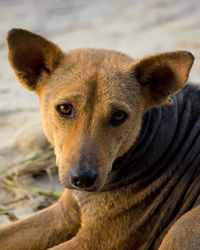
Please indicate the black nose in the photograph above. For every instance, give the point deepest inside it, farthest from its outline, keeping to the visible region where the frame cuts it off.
(82, 177)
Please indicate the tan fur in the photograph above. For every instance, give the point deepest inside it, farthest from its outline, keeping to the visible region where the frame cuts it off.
(97, 83)
(185, 233)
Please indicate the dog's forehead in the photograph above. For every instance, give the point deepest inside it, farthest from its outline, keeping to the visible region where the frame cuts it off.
(97, 74)
(99, 58)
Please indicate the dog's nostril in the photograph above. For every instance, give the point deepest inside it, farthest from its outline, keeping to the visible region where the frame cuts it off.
(82, 177)
(75, 180)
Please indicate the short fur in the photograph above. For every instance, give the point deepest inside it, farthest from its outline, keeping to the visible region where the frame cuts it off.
(148, 167)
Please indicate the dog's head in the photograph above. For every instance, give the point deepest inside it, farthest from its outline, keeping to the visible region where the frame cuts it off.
(93, 101)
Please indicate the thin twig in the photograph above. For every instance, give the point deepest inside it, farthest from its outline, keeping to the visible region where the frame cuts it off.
(38, 162)
(31, 188)
(10, 215)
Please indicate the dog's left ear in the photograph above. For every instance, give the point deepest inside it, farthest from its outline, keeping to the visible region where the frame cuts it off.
(162, 75)
(32, 57)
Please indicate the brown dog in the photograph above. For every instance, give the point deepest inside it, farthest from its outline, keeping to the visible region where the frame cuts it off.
(127, 148)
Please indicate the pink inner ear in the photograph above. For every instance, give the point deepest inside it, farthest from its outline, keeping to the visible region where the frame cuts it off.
(30, 62)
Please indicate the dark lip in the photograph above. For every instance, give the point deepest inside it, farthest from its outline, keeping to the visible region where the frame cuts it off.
(90, 190)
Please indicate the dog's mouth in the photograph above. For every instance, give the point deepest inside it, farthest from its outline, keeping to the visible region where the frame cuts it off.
(92, 190)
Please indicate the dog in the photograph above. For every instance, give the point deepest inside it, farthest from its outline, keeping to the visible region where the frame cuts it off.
(127, 143)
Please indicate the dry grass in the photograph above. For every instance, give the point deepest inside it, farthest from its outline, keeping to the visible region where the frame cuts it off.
(16, 188)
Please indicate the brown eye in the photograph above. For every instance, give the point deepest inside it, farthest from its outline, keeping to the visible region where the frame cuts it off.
(65, 110)
(118, 118)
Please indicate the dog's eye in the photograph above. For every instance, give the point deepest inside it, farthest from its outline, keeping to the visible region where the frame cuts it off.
(118, 118)
(65, 110)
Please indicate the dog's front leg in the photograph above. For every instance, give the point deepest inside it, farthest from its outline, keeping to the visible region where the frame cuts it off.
(97, 234)
(95, 237)
(44, 229)
(82, 241)
(73, 244)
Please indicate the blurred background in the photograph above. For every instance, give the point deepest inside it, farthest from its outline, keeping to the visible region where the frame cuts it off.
(28, 175)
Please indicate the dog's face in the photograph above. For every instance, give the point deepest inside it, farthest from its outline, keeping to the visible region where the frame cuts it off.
(91, 111)
(93, 101)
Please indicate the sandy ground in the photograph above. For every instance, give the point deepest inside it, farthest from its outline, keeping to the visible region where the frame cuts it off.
(135, 27)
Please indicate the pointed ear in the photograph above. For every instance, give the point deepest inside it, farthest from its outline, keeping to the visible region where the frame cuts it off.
(162, 75)
(32, 57)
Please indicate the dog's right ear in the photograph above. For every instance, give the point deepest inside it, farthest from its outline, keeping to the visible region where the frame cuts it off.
(32, 57)
(162, 75)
